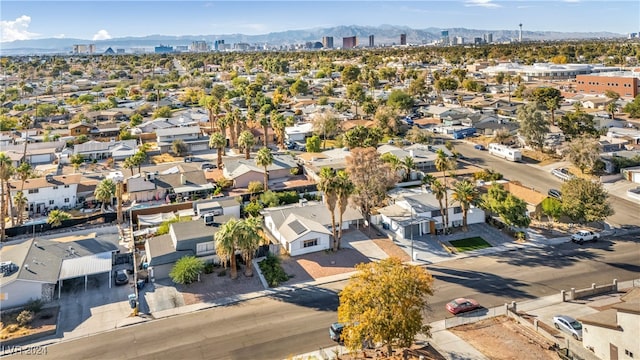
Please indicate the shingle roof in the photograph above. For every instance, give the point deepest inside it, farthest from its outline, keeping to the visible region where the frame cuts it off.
(316, 212)
(39, 183)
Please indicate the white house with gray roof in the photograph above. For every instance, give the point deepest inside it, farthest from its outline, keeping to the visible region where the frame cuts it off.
(118, 150)
(305, 227)
(191, 135)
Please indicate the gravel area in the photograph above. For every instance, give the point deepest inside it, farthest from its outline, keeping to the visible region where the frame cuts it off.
(317, 265)
(213, 286)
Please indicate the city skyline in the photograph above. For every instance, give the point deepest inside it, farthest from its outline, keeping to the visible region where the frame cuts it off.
(90, 20)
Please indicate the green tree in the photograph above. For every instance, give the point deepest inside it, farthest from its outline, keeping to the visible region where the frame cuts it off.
(400, 100)
(186, 270)
(552, 208)
(584, 152)
(326, 125)
(179, 147)
(162, 112)
(249, 241)
(577, 123)
(633, 108)
(446, 84)
(20, 202)
(419, 136)
(264, 158)
(386, 118)
(76, 160)
(512, 210)
(356, 93)
(313, 144)
(548, 97)
(445, 164)
(246, 140)
(56, 217)
(344, 189)
(6, 171)
(585, 201)
(385, 302)
(465, 194)
(350, 74)
(136, 119)
(104, 192)
(226, 244)
(218, 141)
(255, 187)
(300, 87)
(533, 127)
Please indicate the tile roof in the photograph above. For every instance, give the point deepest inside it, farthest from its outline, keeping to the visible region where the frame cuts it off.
(39, 183)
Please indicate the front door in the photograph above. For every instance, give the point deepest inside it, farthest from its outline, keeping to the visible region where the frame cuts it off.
(613, 352)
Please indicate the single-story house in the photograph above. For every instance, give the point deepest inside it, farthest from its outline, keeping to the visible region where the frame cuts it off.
(193, 238)
(243, 171)
(299, 132)
(418, 214)
(221, 206)
(305, 227)
(34, 268)
(185, 184)
(191, 135)
(118, 150)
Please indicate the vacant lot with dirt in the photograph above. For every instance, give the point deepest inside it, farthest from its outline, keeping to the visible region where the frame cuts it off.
(502, 338)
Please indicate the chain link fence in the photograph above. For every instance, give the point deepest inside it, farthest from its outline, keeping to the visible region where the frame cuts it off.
(473, 316)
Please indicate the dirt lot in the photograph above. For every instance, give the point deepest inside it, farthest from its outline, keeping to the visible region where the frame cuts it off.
(212, 287)
(44, 320)
(502, 338)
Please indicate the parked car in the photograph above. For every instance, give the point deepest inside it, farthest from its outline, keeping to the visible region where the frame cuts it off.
(563, 174)
(462, 305)
(555, 193)
(568, 325)
(122, 278)
(479, 147)
(207, 166)
(335, 331)
(584, 236)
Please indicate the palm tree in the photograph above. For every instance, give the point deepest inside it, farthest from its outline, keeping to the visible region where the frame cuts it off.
(408, 164)
(465, 193)
(24, 171)
(104, 192)
(218, 141)
(245, 141)
(328, 185)
(439, 192)
(212, 105)
(444, 163)
(250, 240)
(56, 217)
(20, 202)
(344, 189)
(226, 243)
(612, 108)
(264, 122)
(264, 158)
(224, 123)
(6, 171)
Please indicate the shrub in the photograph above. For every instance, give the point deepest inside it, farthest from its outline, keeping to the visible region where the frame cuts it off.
(186, 270)
(272, 271)
(34, 306)
(12, 328)
(222, 273)
(255, 187)
(208, 268)
(25, 317)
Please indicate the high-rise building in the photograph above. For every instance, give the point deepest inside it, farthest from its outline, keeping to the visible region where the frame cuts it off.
(216, 45)
(199, 46)
(327, 42)
(478, 41)
(163, 49)
(520, 33)
(84, 48)
(349, 42)
(403, 39)
(488, 38)
(371, 41)
(444, 35)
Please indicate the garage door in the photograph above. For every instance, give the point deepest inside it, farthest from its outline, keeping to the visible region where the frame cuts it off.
(416, 231)
(199, 147)
(40, 159)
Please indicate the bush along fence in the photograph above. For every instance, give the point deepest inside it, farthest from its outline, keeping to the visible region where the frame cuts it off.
(44, 227)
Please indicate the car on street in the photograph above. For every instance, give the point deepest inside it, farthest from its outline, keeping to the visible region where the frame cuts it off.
(479, 147)
(122, 278)
(568, 325)
(335, 331)
(555, 193)
(584, 236)
(461, 305)
(563, 174)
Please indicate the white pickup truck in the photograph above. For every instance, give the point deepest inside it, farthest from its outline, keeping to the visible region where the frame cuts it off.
(583, 236)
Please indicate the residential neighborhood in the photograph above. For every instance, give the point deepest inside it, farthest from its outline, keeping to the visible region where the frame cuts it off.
(167, 185)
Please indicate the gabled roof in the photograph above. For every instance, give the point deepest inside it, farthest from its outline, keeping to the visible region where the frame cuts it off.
(295, 226)
(43, 182)
(314, 211)
(181, 130)
(237, 167)
(103, 146)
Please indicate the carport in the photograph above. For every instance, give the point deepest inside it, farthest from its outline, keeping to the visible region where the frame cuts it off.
(84, 266)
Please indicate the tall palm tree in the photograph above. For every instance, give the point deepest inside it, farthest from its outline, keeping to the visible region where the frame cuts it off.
(6, 171)
(104, 192)
(439, 191)
(444, 163)
(264, 158)
(245, 141)
(408, 164)
(465, 193)
(328, 185)
(250, 241)
(24, 171)
(218, 141)
(224, 123)
(20, 202)
(225, 240)
(344, 189)
(212, 105)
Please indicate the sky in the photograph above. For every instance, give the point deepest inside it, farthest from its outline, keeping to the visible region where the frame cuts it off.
(101, 20)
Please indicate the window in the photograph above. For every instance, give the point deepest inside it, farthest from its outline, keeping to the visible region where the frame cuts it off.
(435, 213)
(66, 200)
(66, 186)
(51, 202)
(457, 210)
(310, 243)
(628, 353)
(55, 188)
(205, 248)
(34, 191)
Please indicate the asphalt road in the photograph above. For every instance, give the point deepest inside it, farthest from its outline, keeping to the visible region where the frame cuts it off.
(297, 322)
(626, 212)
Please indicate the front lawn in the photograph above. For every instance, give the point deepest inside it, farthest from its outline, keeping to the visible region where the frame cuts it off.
(469, 244)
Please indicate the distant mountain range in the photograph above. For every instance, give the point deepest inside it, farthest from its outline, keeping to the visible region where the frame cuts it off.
(384, 35)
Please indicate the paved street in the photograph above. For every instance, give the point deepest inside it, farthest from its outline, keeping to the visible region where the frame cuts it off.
(626, 212)
(296, 322)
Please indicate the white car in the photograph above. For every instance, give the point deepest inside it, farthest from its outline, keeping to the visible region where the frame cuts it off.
(583, 236)
(568, 325)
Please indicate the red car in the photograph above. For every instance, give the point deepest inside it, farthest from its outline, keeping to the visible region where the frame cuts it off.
(461, 305)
